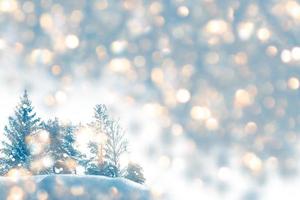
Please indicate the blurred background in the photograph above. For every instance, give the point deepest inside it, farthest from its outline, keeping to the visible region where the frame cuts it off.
(207, 90)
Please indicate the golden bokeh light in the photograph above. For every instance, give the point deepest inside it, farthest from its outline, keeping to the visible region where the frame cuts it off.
(16, 193)
(263, 34)
(217, 26)
(293, 83)
(252, 162)
(8, 5)
(183, 11)
(120, 65)
(46, 21)
(200, 113)
(250, 128)
(56, 70)
(293, 9)
(212, 124)
(242, 98)
(157, 75)
(272, 51)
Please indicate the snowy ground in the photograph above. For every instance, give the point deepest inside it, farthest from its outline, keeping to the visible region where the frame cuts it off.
(71, 187)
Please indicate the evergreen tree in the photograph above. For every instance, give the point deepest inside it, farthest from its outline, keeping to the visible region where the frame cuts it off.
(115, 144)
(61, 146)
(110, 170)
(15, 151)
(134, 172)
(101, 169)
(96, 165)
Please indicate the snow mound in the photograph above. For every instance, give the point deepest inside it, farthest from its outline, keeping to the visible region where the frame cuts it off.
(71, 187)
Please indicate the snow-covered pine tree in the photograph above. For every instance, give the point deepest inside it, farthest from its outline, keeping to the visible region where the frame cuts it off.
(134, 172)
(95, 165)
(61, 147)
(55, 148)
(15, 152)
(115, 144)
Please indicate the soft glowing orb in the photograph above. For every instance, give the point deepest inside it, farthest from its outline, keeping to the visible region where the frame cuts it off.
(183, 95)
(293, 83)
(72, 41)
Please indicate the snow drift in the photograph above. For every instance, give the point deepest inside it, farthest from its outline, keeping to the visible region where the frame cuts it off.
(71, 187)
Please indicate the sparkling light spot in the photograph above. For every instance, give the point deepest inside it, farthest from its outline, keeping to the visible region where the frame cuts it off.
(56, 70)
(60, 97)
(101, 52)
(72, 41)
(245, 30)
(212, 124)
(120, 65)
(177, 129)
(293, 83)
(200, 113)
(217, 26)
(157, 75)
(155, 8)
(224, 174)
(252, 162)
(118, 46)
(183, 95)
(293, 9)
(15, 193)
(183, 11)
(2, 44)
(46, 21)
(263, 34)
(242, 98)
(286, 56)
(44, 56)
(47, 162)
(250, 128)
(296, 53)
(8, 5)
(272, 51)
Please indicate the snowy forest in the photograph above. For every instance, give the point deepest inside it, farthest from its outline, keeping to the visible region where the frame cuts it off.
(207, 90)
(32, 146)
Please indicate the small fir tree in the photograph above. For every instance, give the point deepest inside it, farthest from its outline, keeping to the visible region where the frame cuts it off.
(134, 172)
(96, 165)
